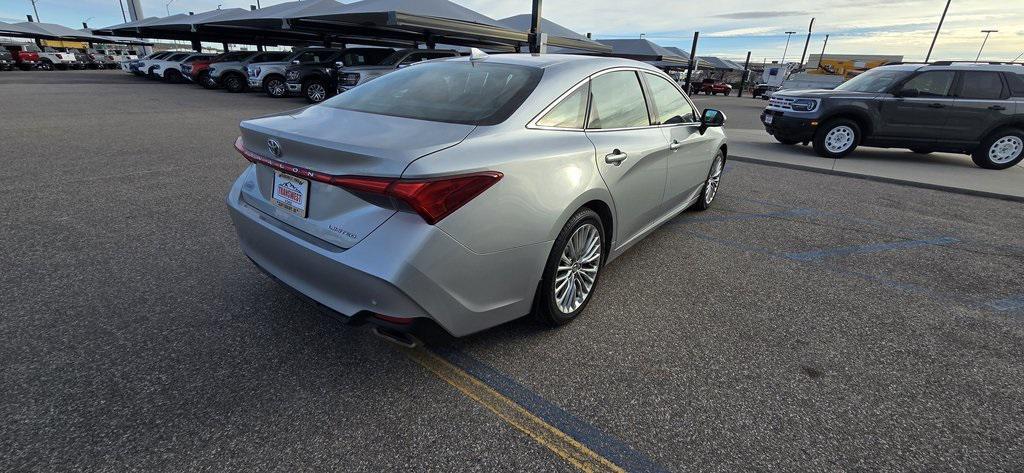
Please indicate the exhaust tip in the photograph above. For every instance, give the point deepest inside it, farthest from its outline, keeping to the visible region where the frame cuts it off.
(399, 338)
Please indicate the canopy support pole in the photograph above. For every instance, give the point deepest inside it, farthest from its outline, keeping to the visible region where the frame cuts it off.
(536, 42)
(693, 60)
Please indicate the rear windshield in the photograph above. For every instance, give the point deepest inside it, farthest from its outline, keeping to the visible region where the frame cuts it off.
(874, 81)
(452, 92)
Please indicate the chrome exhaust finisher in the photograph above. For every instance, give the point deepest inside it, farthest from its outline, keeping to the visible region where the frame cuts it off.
(399, 338)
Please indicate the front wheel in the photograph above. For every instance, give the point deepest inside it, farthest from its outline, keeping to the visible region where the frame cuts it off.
(275, 87)
(314, 91)
(234, 83)
(572, 271)
(711, 184)
(837, 138)
(1002, 149)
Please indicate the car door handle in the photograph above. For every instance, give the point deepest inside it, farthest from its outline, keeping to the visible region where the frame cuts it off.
(675, 145)
(936, 105)
(616, 157)
(997, 107)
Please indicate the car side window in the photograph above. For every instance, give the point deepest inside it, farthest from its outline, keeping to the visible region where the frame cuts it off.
(414, 58)
(1016, 82)
(672, 107)
(570, 112)
(617, 101)
(985, 85)
(931, 83)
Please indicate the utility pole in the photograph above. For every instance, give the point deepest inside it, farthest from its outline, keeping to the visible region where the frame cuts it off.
(987, 32)
(693, 60)
(807, 43)
(121, 4)
(941, 20)
(789, 34)
(746, 70)
(820, 58)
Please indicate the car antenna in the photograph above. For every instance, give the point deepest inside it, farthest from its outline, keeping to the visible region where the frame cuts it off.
(476, 55)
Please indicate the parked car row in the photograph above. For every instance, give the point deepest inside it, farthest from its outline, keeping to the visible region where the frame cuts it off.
(315, 73)
(27, 56)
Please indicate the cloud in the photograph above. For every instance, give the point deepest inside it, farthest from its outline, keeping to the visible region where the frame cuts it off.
(751, 31)
(752, 15)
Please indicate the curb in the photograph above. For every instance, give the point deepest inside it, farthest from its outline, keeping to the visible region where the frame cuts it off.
(888, 180)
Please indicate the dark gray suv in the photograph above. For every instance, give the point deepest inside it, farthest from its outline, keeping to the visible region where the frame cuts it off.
(977, 109)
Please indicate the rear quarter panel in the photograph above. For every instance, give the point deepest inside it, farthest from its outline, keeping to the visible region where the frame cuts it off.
(548, 174)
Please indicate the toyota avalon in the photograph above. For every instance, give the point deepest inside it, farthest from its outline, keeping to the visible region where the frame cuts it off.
(471, 191)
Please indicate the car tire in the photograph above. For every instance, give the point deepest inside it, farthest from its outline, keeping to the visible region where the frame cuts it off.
(711, 183)
(173, 76)
(785, 141)
(837, 138)
(275, 87)
(1001, 149)
(206, 81)
(151, 73)
(558, 305)
(234, 83)
(314, 91)
(45, 64)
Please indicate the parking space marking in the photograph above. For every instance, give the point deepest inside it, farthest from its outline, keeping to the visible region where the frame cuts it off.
(562, 444)
(817, 255)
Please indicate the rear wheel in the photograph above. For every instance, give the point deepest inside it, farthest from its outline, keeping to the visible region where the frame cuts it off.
(173, 76)
(234, 83)
(1002, 149)
(275, 87)
(206, 81)
(45, 64)
(837, 138)
(314, 91)
(572, 271)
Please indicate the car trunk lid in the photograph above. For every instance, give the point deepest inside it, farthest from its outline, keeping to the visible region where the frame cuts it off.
(336, 142)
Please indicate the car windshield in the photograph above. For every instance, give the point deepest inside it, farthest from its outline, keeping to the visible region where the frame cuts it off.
(874, 81)
(452, 92)
(393, 58)
(233, 56)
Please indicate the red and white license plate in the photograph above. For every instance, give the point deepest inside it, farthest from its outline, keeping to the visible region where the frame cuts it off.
(291, 193)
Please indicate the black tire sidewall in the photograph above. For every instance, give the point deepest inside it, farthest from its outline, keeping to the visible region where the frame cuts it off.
(545, 307)
(819, 137)
(980, 155)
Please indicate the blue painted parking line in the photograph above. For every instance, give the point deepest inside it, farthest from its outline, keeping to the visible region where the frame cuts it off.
(872, 248)
(603, 444)
(1008, 304)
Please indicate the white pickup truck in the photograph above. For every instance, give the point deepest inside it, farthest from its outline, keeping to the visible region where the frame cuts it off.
(50, 58)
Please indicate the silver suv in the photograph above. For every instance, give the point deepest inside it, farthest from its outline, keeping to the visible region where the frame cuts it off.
(231, 75)
(351, 76)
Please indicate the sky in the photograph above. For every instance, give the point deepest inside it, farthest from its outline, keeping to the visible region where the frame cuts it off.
(898, 27)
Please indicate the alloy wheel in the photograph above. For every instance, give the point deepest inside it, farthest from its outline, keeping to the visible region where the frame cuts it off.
(1005, 149)
(714, 180)
(316, 92)
(276, 87)
(839, 139)
(577, 268)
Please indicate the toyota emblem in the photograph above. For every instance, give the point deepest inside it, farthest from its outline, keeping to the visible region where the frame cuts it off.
(275, 148)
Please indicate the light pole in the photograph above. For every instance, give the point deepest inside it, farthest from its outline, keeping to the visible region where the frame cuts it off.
(789, 34)
(1018, 57)
(987, 32)
(34, 9)
(168, 7)
(942, 19)
(121, 4)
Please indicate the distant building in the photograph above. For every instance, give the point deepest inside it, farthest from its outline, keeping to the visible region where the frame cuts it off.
(847, 65)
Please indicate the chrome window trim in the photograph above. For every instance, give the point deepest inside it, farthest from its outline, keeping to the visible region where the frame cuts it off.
(534, 126)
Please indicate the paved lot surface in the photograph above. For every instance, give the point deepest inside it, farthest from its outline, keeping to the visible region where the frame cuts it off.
(936, 169)
(806, 322)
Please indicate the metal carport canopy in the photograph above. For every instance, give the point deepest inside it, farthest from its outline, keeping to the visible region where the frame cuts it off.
(558, 35)
(429, 21)
(55, 31)
(7, 29)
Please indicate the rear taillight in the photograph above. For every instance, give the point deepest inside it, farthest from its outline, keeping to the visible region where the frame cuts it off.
(433, 199)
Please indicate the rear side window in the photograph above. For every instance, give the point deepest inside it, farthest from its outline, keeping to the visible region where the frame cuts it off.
(571, 112)
(617, 101)
(452, 92)
(985, 85)
(672, 107)
(931, 84)
(1016, 82)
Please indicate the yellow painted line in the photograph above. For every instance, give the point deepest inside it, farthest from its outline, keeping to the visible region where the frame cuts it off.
(512, 413)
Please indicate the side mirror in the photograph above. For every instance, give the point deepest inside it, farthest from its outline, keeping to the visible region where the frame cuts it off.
(909, 93)
(711, 118)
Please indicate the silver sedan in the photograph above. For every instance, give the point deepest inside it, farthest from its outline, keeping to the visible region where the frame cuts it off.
(471, 191)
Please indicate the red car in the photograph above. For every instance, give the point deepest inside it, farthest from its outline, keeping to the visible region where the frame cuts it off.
(25, 56)
(198, 71)
(713, 87)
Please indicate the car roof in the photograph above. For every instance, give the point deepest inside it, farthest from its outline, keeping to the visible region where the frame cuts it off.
(957, 66)
(560, 61)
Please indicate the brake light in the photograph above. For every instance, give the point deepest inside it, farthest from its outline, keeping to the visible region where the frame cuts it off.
(433, 199)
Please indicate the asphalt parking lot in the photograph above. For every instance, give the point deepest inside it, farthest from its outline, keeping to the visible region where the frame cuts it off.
(806, 322)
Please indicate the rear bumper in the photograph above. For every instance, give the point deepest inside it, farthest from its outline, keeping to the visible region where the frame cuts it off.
(794, 128)
(404, 268)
